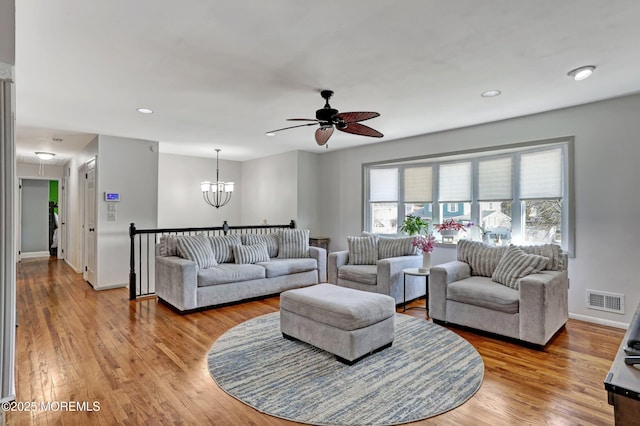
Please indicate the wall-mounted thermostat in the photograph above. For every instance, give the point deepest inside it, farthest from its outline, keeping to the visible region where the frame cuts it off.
(112, 196)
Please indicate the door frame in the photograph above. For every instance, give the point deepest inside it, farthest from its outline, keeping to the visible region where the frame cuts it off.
(18, 198)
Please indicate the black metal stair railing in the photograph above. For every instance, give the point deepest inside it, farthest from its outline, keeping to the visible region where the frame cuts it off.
(143, 241)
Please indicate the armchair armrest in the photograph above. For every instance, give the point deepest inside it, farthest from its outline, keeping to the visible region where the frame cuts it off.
(320, 255)
(441, 276)
(177, 281)
(390, 275)
(335, 260)
(543, 305)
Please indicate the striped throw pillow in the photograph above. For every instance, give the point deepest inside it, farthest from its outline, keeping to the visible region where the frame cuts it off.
(362, 250)
(221, 246)
(395, 247)
(270, 239)
(198, 249)
(293, 243)
(516, 264)
(251, 254)
(552, 251)
(482, 259)
(169, 245)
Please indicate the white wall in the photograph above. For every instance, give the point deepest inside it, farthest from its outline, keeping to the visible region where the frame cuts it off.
(269, 190)
(129, 167)
(309, 184)
(180, 202)
(606, 178)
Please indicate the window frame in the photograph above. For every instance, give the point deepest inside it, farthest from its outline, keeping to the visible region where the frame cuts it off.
(516, 150)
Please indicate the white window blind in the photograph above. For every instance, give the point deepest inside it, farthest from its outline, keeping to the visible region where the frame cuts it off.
(418, 184)
(541, 174)
(455, 182)
(383, 184)
(494, 179)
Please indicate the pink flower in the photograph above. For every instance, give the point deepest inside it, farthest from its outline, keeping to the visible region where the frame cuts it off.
(424, 243)
(450, 224)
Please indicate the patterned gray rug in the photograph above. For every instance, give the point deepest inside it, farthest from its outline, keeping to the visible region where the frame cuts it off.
(427, 371)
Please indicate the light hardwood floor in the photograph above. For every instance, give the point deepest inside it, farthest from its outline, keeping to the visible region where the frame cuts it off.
(144, 364)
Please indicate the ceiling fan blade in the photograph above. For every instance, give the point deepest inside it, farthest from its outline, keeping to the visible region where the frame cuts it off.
(360, 129)
(292, 127)
(352, 117)
(302, 119)
(323, 134)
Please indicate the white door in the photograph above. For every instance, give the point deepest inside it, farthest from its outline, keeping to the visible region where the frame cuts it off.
(19, 222)
(89, 273)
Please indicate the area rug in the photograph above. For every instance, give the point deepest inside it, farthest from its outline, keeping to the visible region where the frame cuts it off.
(428, 371)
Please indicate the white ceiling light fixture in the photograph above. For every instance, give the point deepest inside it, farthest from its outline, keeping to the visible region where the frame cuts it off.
(490, 93)
(581, 73)
(217, 193)
(270, 134)
(144, 111)
(45, 155)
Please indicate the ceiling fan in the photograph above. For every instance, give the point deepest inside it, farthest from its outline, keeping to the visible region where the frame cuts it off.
(329, 118)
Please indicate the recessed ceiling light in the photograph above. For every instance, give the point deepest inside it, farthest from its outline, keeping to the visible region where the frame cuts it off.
(45, 155)
(490, 93)
(145, 111)
(582, 72)
(270, 134)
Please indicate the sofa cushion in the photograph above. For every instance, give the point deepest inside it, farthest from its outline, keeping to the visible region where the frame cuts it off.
(362, 250)
(482, 259)
(250, 254)
(481, 291)
(197, 249)
(221, 245)
(279, 267)
(364, 274)
(396, 247)
(226, 273)
(516, 264)
(270, 239)
(293, 243)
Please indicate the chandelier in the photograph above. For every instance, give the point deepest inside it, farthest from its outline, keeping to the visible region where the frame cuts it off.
(217, 193)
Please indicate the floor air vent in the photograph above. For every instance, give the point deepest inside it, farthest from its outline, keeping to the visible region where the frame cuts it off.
(610, 302)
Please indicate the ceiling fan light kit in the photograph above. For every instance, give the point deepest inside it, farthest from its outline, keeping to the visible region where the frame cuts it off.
(329, 118)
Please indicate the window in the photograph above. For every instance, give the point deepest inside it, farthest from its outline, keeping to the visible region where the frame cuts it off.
(515, 193)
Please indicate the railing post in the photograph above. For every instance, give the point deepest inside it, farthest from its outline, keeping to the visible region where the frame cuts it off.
(132, 263)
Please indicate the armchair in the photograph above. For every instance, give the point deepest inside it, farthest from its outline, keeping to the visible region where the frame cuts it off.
(531, 307)
(379, 275)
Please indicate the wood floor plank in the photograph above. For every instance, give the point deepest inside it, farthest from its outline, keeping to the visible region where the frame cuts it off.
(145, 364)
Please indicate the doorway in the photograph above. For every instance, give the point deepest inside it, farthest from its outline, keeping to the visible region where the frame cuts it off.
(38, 201)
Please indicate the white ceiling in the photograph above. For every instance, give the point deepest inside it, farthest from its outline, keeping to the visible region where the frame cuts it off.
(219, 74)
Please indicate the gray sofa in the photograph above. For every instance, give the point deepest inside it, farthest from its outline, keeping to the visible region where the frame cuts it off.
(530, 304)
(186, 286)
(378, 267)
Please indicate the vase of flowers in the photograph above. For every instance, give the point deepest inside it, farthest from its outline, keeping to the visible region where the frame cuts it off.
(425, 244)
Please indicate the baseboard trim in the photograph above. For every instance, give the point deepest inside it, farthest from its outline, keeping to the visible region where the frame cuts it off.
(599, 321)
(32, 254)
(72, 266)
(110, 287)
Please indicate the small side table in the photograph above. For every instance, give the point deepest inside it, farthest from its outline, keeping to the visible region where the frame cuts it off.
(416, 273)
(322, 242)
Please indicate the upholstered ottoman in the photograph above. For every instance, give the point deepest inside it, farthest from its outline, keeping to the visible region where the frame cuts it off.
(348, 323)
